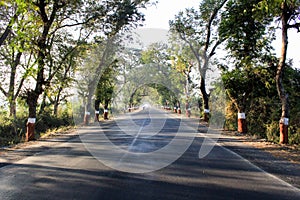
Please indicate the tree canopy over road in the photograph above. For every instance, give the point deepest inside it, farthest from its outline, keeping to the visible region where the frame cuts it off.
(52, 49)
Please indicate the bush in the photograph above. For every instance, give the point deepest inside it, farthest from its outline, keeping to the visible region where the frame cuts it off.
(294, 135)
(47, 121)
(231, 117)
(272, 132)
(11, 131)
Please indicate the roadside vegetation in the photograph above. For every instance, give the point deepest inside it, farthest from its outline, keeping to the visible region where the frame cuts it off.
(51, 50)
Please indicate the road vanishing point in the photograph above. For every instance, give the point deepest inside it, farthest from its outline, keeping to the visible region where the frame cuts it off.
(67, 167)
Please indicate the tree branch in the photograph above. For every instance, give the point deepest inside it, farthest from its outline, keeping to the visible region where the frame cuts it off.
(208, 27)
(7, 30)
(3, 91)
(212, 52)
(296, 26)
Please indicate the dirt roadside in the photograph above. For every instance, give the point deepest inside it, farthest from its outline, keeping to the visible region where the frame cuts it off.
(13, 153)
(288, 152)
(282, 161)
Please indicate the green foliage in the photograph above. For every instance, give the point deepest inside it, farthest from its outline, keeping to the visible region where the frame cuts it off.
(262, 111)
(245, 36)
(259, 114)
(272, 132)
(272, 8)
(12, 130)
(294, 135)
(47, 121)
(158, 56)
(230, 117)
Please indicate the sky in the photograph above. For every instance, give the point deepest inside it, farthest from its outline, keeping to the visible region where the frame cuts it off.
(157, 17)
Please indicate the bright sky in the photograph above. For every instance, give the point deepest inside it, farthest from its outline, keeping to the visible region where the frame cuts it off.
(157, 17)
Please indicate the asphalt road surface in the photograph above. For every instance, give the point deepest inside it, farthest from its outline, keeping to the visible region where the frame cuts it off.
(144, 155)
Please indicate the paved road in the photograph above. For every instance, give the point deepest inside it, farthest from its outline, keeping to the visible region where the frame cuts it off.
(67, 170)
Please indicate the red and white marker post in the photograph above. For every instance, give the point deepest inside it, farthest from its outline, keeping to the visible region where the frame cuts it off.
(242, 125)
(105, 115)
(175, 109)
(188, 112)
(97, 116)
(86, 119)
(283, 127)
(30, 129)
(206, 115)
(179, 110)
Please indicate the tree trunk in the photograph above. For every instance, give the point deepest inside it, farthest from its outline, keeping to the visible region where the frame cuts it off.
(87, 109)
(32, 98)
(55, 108)
(187, 91)
(97, 110)
(204, 99)
(43, 104)
(187, 109)
(13, 108)
(87, 115)
(240, 106)
(56, 104)
(283, 123)
(11, 90)
(57, 101)
(105, 115)
(178, 108)
(242, 123)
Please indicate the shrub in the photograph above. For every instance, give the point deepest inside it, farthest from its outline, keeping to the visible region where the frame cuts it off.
(11, 131)
(231, 117)
(294, 135)
(272, 132)
(47, 121)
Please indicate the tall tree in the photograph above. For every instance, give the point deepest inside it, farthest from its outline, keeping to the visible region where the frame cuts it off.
(157, 59)
(105, 90)
(15, 42)
(47, 12)
(288, 12)
(197, 29)
(246, 43)
(103, 17)
(183, 62)
(125, 16)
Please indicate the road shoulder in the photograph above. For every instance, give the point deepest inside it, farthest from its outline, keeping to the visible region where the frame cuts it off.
(271, 158)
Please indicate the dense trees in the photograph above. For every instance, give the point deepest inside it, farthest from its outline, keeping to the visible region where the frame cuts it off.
(245, 25)
(289, 12)
(197, 29)
(50, 48)
(41, 40)
(251, 70)
(248, 45)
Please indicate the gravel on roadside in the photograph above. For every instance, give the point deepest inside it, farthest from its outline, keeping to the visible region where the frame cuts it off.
(282, 161)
